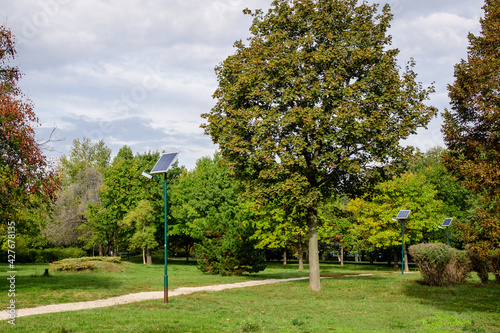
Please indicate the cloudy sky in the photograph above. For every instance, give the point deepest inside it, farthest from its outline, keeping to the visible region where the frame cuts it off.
(141, 72)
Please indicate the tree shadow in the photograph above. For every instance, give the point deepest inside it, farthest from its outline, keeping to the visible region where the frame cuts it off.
(467, 297)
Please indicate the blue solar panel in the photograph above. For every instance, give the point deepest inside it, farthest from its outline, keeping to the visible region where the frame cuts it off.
(164, 163)
(447, 222)
(403, 214)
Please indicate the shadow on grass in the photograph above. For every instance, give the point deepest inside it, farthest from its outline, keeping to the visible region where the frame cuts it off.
(467, 297)
(66, 281)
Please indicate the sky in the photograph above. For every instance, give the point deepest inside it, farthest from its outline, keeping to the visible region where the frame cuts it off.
(141, 72)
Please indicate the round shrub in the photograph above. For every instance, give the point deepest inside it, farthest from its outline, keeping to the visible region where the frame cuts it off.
(431, 259)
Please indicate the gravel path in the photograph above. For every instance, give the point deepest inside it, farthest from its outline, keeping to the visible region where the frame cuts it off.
(124, 299)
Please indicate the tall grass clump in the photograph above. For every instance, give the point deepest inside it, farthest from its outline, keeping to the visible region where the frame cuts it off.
(431, 259)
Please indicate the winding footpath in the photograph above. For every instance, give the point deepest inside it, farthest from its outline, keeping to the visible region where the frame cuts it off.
(138, 297)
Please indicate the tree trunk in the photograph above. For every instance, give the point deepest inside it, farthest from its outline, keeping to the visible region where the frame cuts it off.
(342, 254)
(149, 259)
(395, 259)
(144, 256)
(407, 269)
(284, 257)
(312, 223)
(301, 254)
(187, 252)
(100, 250)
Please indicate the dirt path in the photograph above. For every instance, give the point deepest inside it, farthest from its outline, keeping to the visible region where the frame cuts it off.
(124, 299)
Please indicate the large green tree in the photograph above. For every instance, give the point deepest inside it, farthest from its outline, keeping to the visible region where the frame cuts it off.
(472, 129)
(141, 219)
(24, 170)
(313, 103)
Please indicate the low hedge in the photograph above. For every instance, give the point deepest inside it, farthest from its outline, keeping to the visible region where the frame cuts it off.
(80, 264)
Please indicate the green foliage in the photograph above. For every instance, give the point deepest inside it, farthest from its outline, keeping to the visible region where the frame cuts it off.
(375, 227)
(84, 154)
(431, 259)
(335, 224)
(123, 187)
(208, 201)
(55, 254)
(141, 221)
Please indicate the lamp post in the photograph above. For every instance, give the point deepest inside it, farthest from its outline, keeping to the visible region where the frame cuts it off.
(162, 166)
(446, 224)
(402, 216)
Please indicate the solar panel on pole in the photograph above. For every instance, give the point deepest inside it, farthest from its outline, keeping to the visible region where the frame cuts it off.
(164, 163)
(403, 214)
(447, 222)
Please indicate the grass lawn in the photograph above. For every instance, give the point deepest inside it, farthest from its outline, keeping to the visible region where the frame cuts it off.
(379, 303)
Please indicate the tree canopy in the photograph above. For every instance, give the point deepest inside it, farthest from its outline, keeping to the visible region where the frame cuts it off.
(314, 103)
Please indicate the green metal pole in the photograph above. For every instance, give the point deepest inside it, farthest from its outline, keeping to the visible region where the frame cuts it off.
(165, 282)
(403, 247)
(447, 237)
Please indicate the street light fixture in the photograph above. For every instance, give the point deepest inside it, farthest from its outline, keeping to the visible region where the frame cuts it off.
(162, 166)
(147, 175)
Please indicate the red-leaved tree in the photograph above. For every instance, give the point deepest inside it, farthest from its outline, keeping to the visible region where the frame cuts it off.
(24, 172)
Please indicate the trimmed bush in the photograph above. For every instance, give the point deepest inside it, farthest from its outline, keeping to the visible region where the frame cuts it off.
(459, 268)
(431, 259)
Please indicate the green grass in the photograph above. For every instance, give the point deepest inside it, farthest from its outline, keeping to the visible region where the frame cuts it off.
(379, 303)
